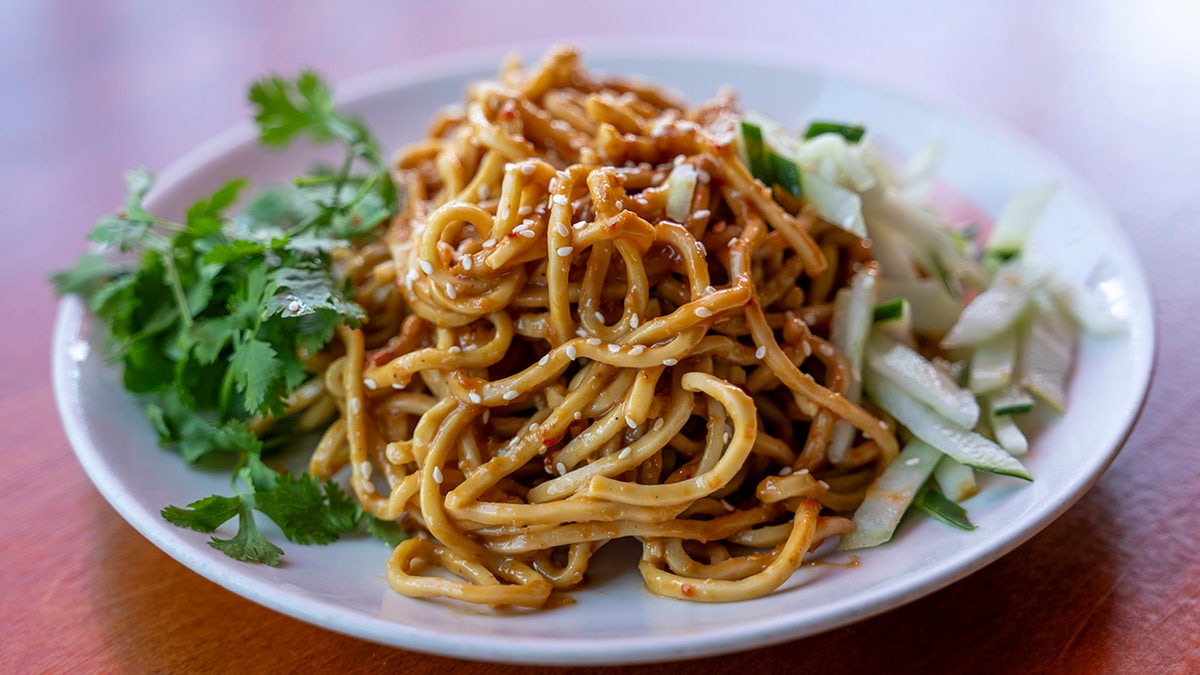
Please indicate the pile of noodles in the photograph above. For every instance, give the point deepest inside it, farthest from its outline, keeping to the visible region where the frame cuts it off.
(589, 321)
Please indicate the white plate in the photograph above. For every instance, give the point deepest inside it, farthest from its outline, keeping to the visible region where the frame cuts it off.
(614, 620)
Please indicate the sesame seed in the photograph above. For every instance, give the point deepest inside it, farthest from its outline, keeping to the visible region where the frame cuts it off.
(785, 471)
(294, 307)
(489, 243)
(561, 200)
(528, 234)
(562, 468)
(454, 349)
(370, 384)
(562, 230)
(577, 415)
(725, 437)
(426, 267)
(484, 191)
(564, 251)
(823, 484)
(614, 348)
(727, 505)
(412, 274)
(502, 213)
(365, 468)
(678, 160)
(703, 312)
(806, 348)
(670, 362)
(760, 352)
(625, 453)
(521, 228)
(912, 461)
(475, 397)
(700, 246)
(397, 385)
(581, 332)
(544, 360)
(532, 426)
(702, 213)
(658, 424)
(630, 422)
(593, 341)
(802, 472)
(525, 210)
(510, 394)
(437, 475)
(450, 292)
(732, 242)
(703, 176)
(571, 352)
(355, 405)
(636, 349)
(634, 321)
(369, 488)
(509, 166)
(580, 225)
(883, 425)
(599, 316)
(527, 169)
(467, 263)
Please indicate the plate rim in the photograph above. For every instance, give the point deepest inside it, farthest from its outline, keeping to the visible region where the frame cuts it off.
(71, 317)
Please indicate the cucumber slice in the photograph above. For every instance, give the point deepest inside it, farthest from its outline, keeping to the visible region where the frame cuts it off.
(853, 309)
(998, 308)
(957, 480)
(1017, 220)
(890, 495)
(993, 362)
(1046, 354)
(1011, 400)
(909, 370)
(962, 444)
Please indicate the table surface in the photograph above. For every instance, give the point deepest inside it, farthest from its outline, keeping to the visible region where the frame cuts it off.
(92, 89)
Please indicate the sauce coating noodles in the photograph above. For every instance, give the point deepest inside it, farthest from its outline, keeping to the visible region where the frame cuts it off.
(589, 321)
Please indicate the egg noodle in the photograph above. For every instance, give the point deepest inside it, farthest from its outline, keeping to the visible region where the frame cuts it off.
(588, 321)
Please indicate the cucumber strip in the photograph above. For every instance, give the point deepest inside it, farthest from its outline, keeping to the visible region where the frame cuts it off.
(890, 495)
(854, 307)
(997, 308)
(1090, 312)
(892, 310)
(1047, 350)
(914, 374)
(934, 310)
(681, 185)
(1011, 400)
(835, 203)
(756, 152)
(993, 362)
(956, 480)
(1007, 434)
(785, 174)
(1017, 220)
(941, 508)
(850, 132)
(891, 252)
(962, 444)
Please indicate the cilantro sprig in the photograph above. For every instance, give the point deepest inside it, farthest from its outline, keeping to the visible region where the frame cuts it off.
(209, 315)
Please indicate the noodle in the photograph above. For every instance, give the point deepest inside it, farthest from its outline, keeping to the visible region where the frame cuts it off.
(552, 362)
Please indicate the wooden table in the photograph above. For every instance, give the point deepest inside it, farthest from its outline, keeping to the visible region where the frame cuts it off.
(91, 89)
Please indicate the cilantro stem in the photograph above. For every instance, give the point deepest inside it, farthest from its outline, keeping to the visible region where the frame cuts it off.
(176, 284)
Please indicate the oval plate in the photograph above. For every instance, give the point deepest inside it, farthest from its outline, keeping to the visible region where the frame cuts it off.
(342, 587)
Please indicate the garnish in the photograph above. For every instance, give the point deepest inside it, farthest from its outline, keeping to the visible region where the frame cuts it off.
(213, 317)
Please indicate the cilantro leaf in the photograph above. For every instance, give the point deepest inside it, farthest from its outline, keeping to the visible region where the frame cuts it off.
(205, 515)
(254, 365)
(248, 545)
(307, 511)
(387, 530)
